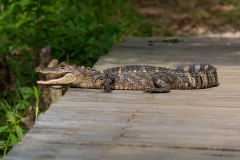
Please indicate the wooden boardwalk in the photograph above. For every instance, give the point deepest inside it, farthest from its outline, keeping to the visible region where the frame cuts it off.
(86, 124)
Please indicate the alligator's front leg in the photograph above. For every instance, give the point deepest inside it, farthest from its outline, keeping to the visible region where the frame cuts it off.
(159, 81)
(107, 87)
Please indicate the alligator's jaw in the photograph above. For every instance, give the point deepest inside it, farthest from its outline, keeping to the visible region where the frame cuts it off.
(66, 79)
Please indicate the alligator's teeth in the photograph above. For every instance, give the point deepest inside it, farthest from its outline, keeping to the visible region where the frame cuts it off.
(53, 86)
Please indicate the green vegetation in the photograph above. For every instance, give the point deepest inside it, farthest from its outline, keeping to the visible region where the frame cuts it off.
(11, 116)
(78, 31)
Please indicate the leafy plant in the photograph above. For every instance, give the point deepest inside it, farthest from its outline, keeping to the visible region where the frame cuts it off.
(11, 116)
(13, 131)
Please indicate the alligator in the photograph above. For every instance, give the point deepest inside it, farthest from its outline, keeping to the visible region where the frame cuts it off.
(151, 79)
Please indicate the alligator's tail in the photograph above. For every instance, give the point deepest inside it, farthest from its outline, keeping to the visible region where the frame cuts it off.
(196, 76)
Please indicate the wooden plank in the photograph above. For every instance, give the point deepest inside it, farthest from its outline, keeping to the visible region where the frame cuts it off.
(116, 152)
(183, 124)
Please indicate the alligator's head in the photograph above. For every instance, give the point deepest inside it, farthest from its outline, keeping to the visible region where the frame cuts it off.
(67, 74)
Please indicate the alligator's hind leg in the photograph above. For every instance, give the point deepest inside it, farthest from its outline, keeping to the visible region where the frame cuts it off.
(164, 87)
(107, 82)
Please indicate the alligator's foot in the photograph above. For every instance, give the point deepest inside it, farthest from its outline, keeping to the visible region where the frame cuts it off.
(107, 91)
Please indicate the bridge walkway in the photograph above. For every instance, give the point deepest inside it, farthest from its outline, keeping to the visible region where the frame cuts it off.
(182, 124)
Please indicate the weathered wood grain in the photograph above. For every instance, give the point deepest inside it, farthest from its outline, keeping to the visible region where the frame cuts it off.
(182, 124)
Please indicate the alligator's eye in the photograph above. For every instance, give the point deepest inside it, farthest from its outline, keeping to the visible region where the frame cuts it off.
(63, 64)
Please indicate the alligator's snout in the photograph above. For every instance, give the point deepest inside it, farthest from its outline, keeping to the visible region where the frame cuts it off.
(64, 71)
(45, 70)
(50, 70)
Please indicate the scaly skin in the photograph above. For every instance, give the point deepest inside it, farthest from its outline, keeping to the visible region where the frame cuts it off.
(134, 77)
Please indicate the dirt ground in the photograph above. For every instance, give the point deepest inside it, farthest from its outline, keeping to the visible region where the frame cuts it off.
(204, 18)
